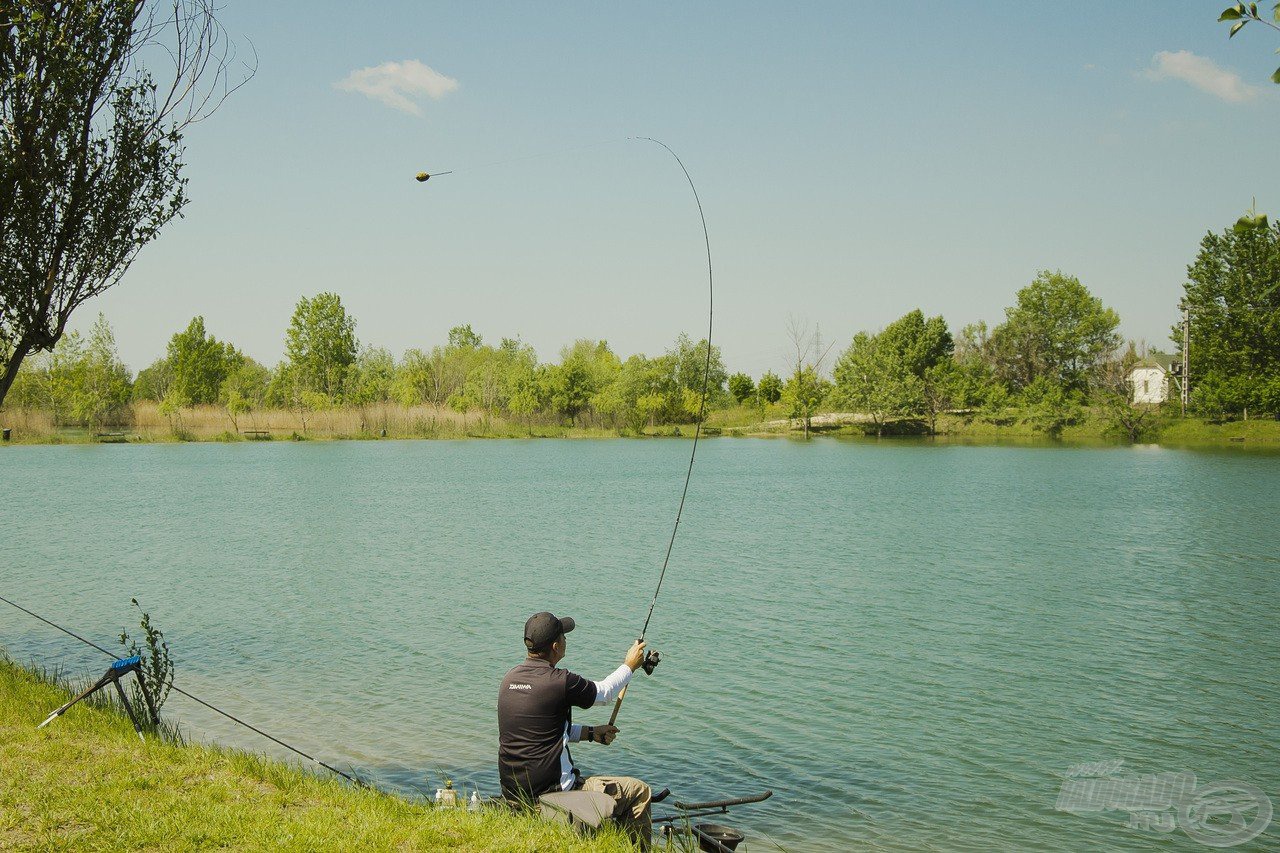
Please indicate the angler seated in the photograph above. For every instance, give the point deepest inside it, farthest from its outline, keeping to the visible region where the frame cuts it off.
(535, 726)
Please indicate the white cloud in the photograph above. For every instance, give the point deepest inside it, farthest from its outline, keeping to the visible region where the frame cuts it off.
(396, 84)
(1201, 72)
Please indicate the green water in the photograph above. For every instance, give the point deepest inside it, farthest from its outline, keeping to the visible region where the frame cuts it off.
(910, 644)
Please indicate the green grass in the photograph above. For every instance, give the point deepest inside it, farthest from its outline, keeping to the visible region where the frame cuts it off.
(87, 783)
(1265, 433)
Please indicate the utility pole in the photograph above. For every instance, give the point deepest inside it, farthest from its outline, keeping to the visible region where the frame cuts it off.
(1186, 358)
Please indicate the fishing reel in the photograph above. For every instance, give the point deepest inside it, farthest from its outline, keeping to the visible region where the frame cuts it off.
(651, 661)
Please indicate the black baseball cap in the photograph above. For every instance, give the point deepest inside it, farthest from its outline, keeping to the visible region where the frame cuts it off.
(543, 629)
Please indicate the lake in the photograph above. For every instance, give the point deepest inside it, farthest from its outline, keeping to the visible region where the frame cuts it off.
(910, 643)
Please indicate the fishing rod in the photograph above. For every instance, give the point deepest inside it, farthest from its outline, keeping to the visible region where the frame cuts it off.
(652, 659)
(177, 689)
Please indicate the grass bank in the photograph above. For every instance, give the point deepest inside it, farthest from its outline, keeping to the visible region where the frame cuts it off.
(1085, 425)
(1082, 426)
(87, 783)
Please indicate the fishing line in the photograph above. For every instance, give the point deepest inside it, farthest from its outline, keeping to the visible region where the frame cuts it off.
(196, 699)
(560, 152)
(706, 372)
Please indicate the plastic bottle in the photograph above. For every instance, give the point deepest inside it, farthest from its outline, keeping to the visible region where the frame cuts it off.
(474, 805)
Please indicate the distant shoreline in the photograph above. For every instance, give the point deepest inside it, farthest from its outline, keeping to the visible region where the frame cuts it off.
(1086, 430)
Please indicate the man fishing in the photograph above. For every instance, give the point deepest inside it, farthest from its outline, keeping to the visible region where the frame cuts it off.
(535, 726)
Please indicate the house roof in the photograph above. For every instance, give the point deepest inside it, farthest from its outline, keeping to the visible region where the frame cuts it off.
(1157, 360)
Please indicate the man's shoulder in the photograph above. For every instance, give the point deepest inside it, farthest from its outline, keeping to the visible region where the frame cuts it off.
(534, 669)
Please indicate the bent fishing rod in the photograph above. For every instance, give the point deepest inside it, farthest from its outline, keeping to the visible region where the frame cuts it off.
(348, 776)
(651, 660)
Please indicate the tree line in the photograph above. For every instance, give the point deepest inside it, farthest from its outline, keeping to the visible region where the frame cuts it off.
(1057, 352)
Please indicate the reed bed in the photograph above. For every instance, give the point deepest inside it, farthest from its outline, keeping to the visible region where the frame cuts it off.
(144, 421)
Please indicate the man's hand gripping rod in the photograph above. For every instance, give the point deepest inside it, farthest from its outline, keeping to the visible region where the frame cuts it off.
(651, 661)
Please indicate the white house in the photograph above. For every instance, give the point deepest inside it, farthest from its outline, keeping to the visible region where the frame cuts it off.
(1150, 378)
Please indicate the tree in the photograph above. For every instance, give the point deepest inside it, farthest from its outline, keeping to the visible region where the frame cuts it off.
(320, 345)
(1232, 293)
(1048, 405)
(1057, 330)
(198, 365)
(91, 153)
(152, 383)
(566, 387)
(770, 387)
(741, 387)
(462, 338)
(803, 394)
(64, 372)
(414, 382)
(1240, 14)
(942, 388)
(805, 387)
(693, 371)
(244, 390)
(977, 361)
(872, 377)
(371, 377)
(920, 344)
(103, 393)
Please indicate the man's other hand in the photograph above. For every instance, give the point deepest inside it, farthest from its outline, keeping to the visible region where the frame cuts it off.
(605, 734)
(635, 657)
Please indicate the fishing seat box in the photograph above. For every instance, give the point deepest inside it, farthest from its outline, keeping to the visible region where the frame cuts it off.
(583, 810)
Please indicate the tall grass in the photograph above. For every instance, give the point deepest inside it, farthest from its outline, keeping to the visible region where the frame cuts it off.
(205, 422)
(147, 422)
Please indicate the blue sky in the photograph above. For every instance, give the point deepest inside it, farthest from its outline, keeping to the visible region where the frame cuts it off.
(855, 161)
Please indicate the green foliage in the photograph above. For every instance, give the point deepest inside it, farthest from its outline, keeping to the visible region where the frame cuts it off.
(803, 393)
(157, 665)
(320, 346)
(198, 364)
(770, 388)
(904, 371)
(872, 377)
(462, 338)
(152, 383)
(104, 388)
(691, 367)
(64, 371)
(1233, 295)
(91, 154)
(741, 387)
(1239, 15)
(371, 378)
(30, 387)
(81, 382)
(245, 389)
(1049, 407)
(919, 344)
(414, 380)
(1057, 331)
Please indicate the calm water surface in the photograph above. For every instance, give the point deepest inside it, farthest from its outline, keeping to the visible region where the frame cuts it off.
(909, 643)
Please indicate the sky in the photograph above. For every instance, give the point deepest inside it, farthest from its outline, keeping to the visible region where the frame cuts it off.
(855, 161)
